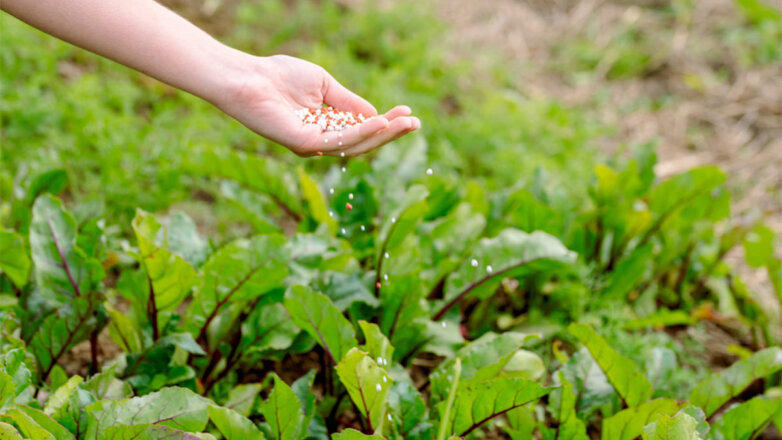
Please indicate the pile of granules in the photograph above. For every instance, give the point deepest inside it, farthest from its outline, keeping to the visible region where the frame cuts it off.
(329, 118)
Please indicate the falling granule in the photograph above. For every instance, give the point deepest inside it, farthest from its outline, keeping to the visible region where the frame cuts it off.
(378, 387)
(393, 219)
(385, 380)
(429, 171)
(331, 190)
(329, 118)
(363, 228)
(342, 154)
(343, 231)
(348, 206)
(380, 360)
(344, 169)
(474, 262)
(385, 276)
(350, 196)
(389, 418)
(326, 140)
(444, 324)
(385, 255)
(339, 143)
(331, 214)
(489, 269)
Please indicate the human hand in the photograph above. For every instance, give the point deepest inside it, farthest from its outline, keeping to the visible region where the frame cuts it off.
(270, 90)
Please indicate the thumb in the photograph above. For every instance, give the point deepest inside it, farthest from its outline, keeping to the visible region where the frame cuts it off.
(339, 97)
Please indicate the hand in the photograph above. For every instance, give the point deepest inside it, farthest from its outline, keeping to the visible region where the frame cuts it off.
(267, 95)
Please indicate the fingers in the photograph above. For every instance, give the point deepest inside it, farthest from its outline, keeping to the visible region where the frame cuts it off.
(332, 143)
(400, 110)
(397, 128)
(336, 95)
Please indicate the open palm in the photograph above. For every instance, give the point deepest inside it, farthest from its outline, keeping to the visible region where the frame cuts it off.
(278, 86)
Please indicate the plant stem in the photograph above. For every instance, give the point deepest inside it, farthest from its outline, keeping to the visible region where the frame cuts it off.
(441, 434)
(94, 351)
(152, 312)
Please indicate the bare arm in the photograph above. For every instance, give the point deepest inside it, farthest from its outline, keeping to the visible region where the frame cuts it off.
(261, 92)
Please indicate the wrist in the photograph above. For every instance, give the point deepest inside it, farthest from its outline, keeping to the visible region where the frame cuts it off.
(236, 73)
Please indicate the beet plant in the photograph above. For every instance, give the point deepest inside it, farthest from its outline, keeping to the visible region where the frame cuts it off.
(431, 310)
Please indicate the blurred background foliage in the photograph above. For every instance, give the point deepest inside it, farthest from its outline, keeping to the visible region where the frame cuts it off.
(584, 114)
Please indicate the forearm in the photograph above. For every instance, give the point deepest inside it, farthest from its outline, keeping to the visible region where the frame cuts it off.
(141, 34)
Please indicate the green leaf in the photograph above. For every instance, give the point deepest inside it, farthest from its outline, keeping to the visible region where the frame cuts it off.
(524, 364)
(62, 330)
(677, 192)
(240, 271)
(759, 11)
(303, 389)
(409, 411)
(403, 219)
(146, 431)
(367, 385)
(7, 391)
(14, 261)
(242, 398)
(344, 290)
(105, 385)
(124, 330)
(478, 403)
(316, 315)
(171, 277)
(352, 434)
(402, 313)
(759, 246)
(15, 377)
(377, 345)
(563, 408)
(624, 278)
(717, 389)
(316, 201)
(482, 359)
(282, 411)
(678, 427)
(631, 385)
(268, 328)
(233, 425)
(260, 174)
(62, 270)
(629, 423)
(176, 407)
(60, 397)
(52, 182)
(72, 414)
(662, 317)
(34, 424)
(185, 241)
(8, 432)
(510, 254)
(747, 420)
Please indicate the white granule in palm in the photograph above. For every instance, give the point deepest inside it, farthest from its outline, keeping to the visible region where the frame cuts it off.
(329, 118)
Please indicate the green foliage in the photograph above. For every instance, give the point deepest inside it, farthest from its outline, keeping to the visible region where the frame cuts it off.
(316, 315)
(367, 384)
(447, 304)
(632, 386)
(681, 426)
(283, 412)
(14, 261)
(717, 389)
